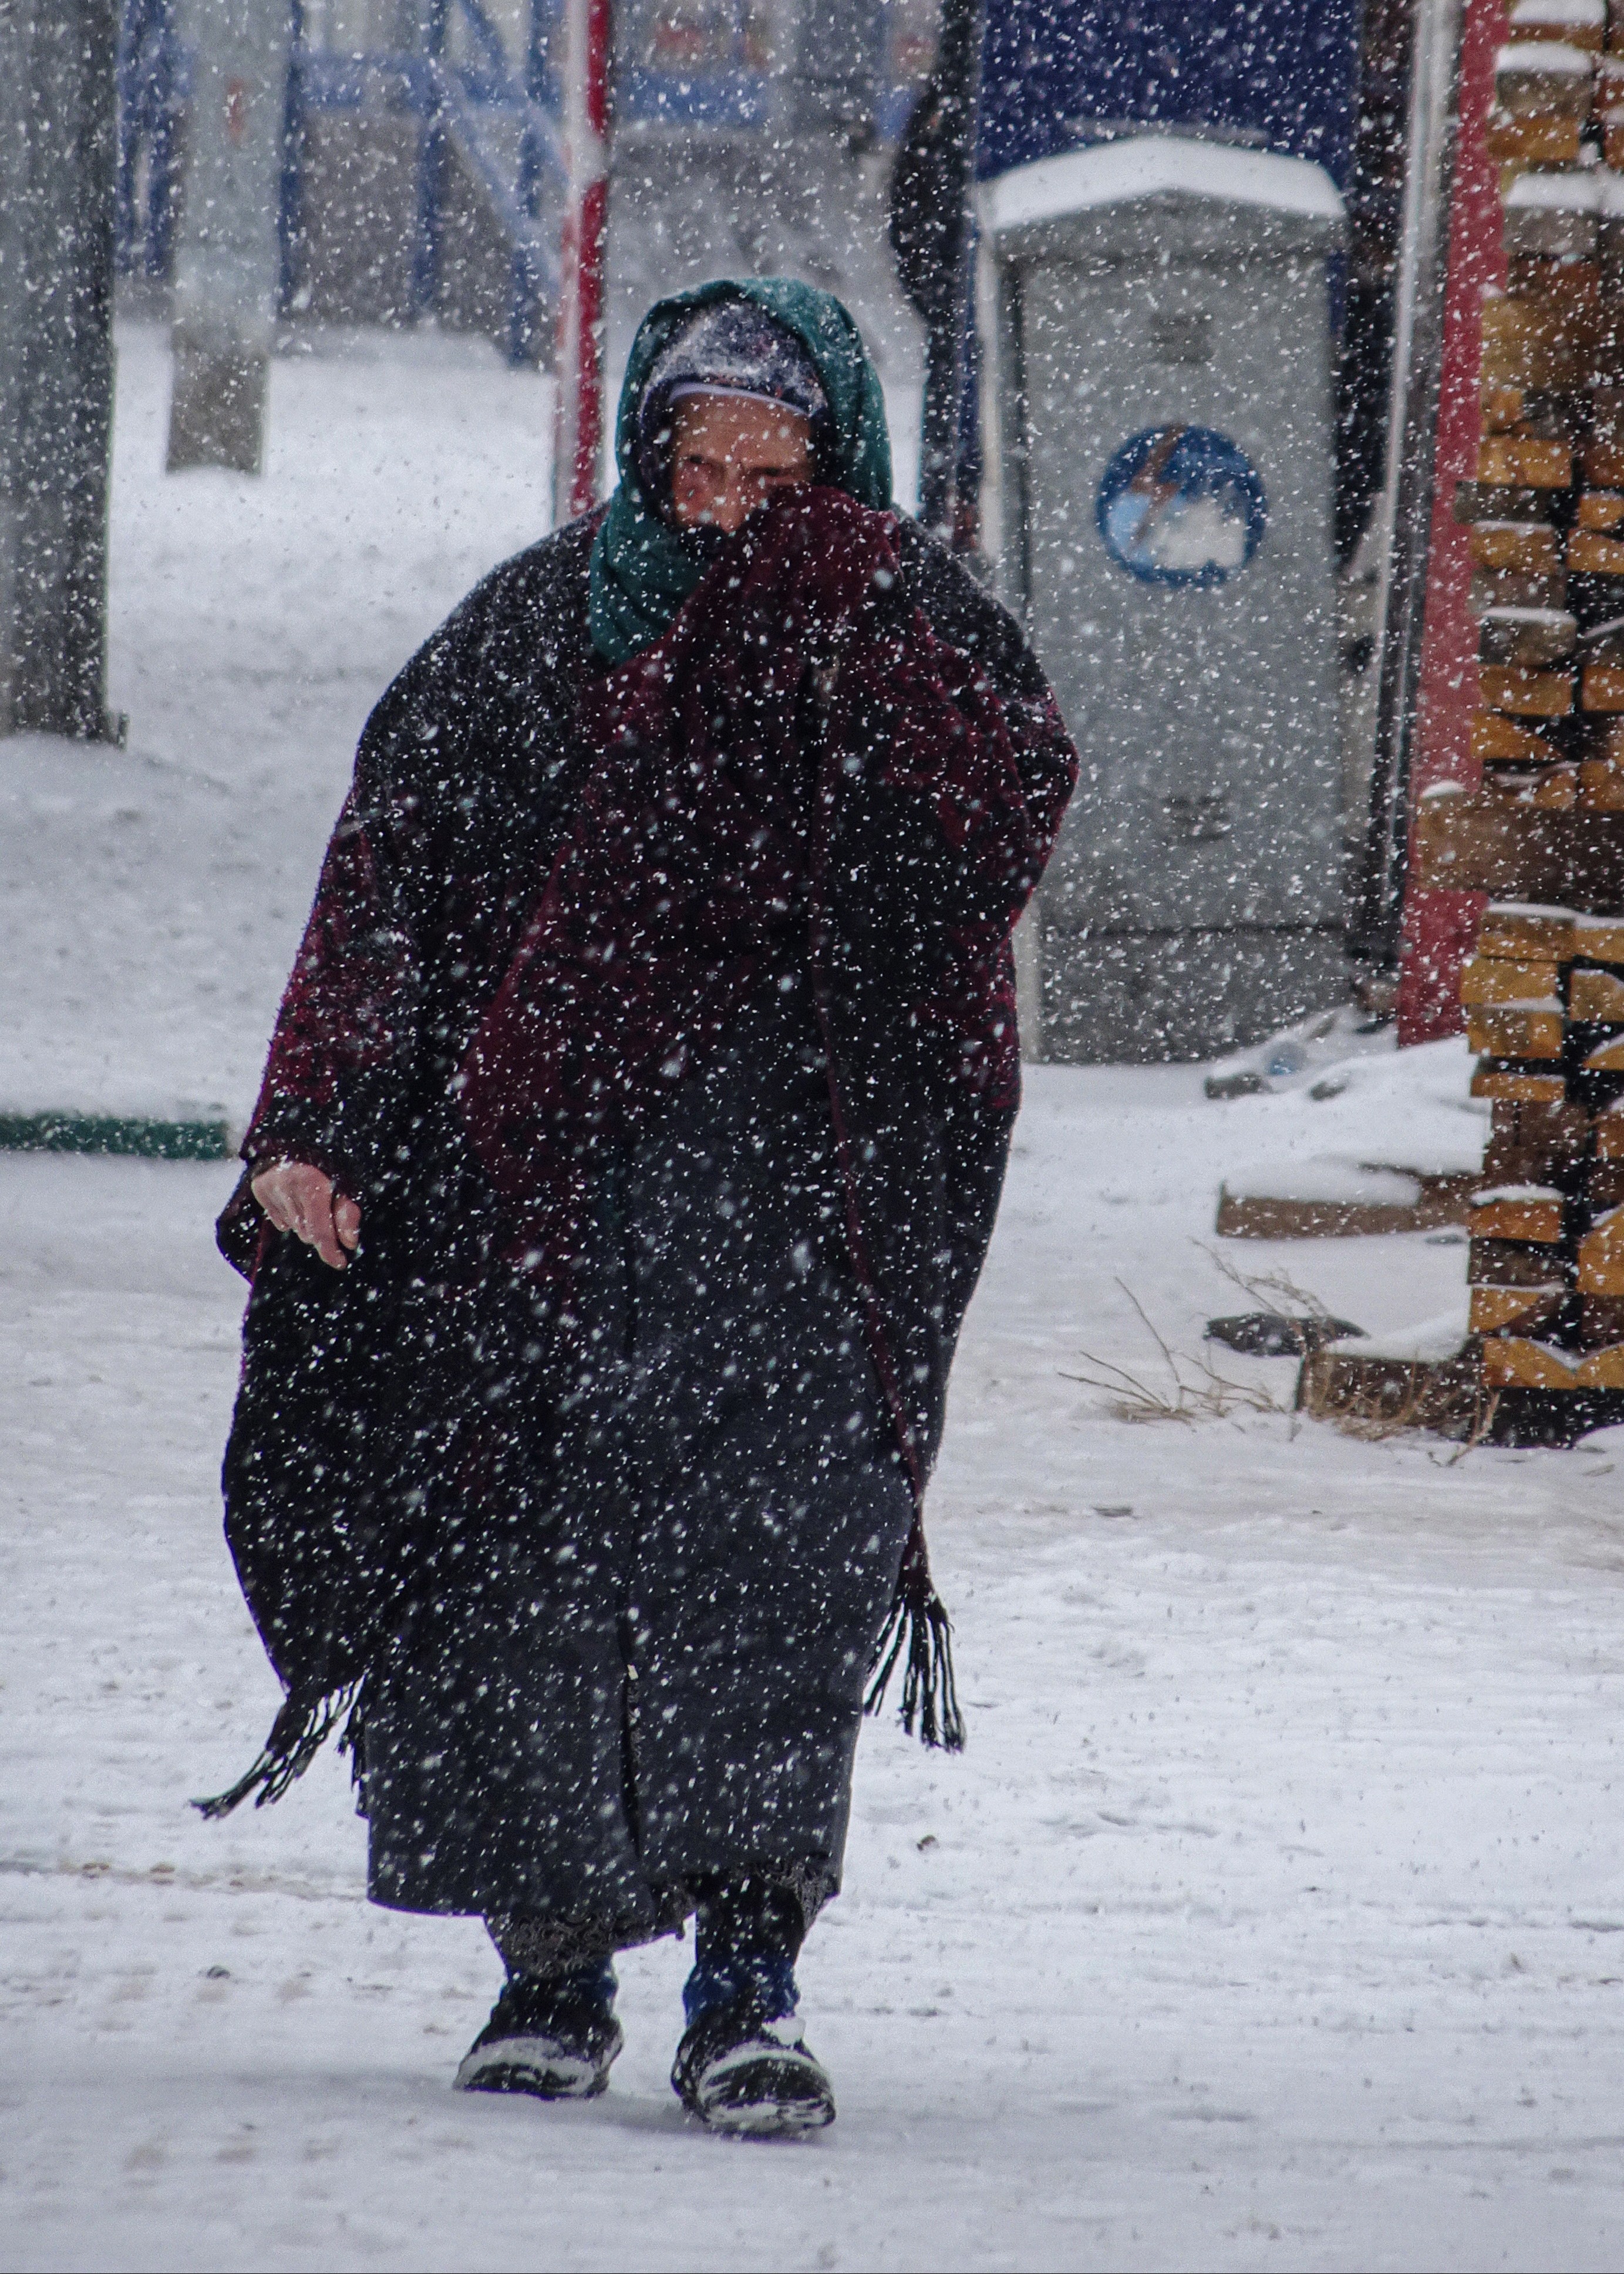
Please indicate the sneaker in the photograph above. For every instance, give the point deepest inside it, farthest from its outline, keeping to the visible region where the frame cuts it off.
(743, 2065)
(555, 2038)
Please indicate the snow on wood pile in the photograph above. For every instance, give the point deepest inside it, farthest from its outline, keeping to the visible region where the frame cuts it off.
(1386, 1141)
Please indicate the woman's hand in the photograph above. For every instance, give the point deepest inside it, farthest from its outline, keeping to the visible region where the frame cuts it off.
(299, 1199)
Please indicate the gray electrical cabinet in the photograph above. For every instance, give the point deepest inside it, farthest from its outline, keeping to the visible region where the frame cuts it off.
(1161, 362)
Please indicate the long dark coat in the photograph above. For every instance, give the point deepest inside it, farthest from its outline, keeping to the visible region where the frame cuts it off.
(403, 1424)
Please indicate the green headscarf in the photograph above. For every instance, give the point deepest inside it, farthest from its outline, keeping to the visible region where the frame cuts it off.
(641, 570)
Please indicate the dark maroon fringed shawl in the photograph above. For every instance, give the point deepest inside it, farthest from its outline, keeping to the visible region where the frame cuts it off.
(800, 777)
(699, 851)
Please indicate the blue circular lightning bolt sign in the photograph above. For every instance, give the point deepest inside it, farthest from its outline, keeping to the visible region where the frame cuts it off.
(1181, 505)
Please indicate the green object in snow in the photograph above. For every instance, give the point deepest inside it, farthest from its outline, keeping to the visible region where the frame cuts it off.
(134, 1136)
(642, 570)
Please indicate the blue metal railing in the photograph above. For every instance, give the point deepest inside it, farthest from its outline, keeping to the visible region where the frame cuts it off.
(481, 110)
(499, 122)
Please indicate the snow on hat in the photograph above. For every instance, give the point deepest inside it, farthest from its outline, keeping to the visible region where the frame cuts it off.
(730, 348)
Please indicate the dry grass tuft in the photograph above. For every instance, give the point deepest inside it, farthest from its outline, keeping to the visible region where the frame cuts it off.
(1265, 1287)
(1372, 1399)
(1196, 1392)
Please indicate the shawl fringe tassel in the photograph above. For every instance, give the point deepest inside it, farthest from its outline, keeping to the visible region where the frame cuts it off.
(301, 1728)
(919, 1630)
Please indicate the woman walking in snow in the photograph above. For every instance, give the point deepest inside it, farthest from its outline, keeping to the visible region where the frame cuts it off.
(638, 1109)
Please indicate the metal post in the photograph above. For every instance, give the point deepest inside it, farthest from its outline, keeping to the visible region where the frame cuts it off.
(581, 311)
(150, 102)
(958, 81)
(544, 60)
(229, 262)
(290, 207)
(1403, 517)
(522, 309)
(432, 158)
(59, 162)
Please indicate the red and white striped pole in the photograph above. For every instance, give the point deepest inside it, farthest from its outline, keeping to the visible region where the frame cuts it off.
(579, 444)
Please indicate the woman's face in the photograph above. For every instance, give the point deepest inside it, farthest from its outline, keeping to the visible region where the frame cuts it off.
(729, 453)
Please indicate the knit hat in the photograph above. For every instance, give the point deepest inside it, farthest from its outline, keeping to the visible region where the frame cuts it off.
(731, 347)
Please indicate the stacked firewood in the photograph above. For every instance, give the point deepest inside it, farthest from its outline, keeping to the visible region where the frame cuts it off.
(1543, 992)
(1545, 1003)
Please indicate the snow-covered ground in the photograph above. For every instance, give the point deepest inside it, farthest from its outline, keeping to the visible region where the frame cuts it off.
(1274, 1917)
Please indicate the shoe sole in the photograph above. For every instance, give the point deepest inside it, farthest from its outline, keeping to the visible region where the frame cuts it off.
(528, 2065)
